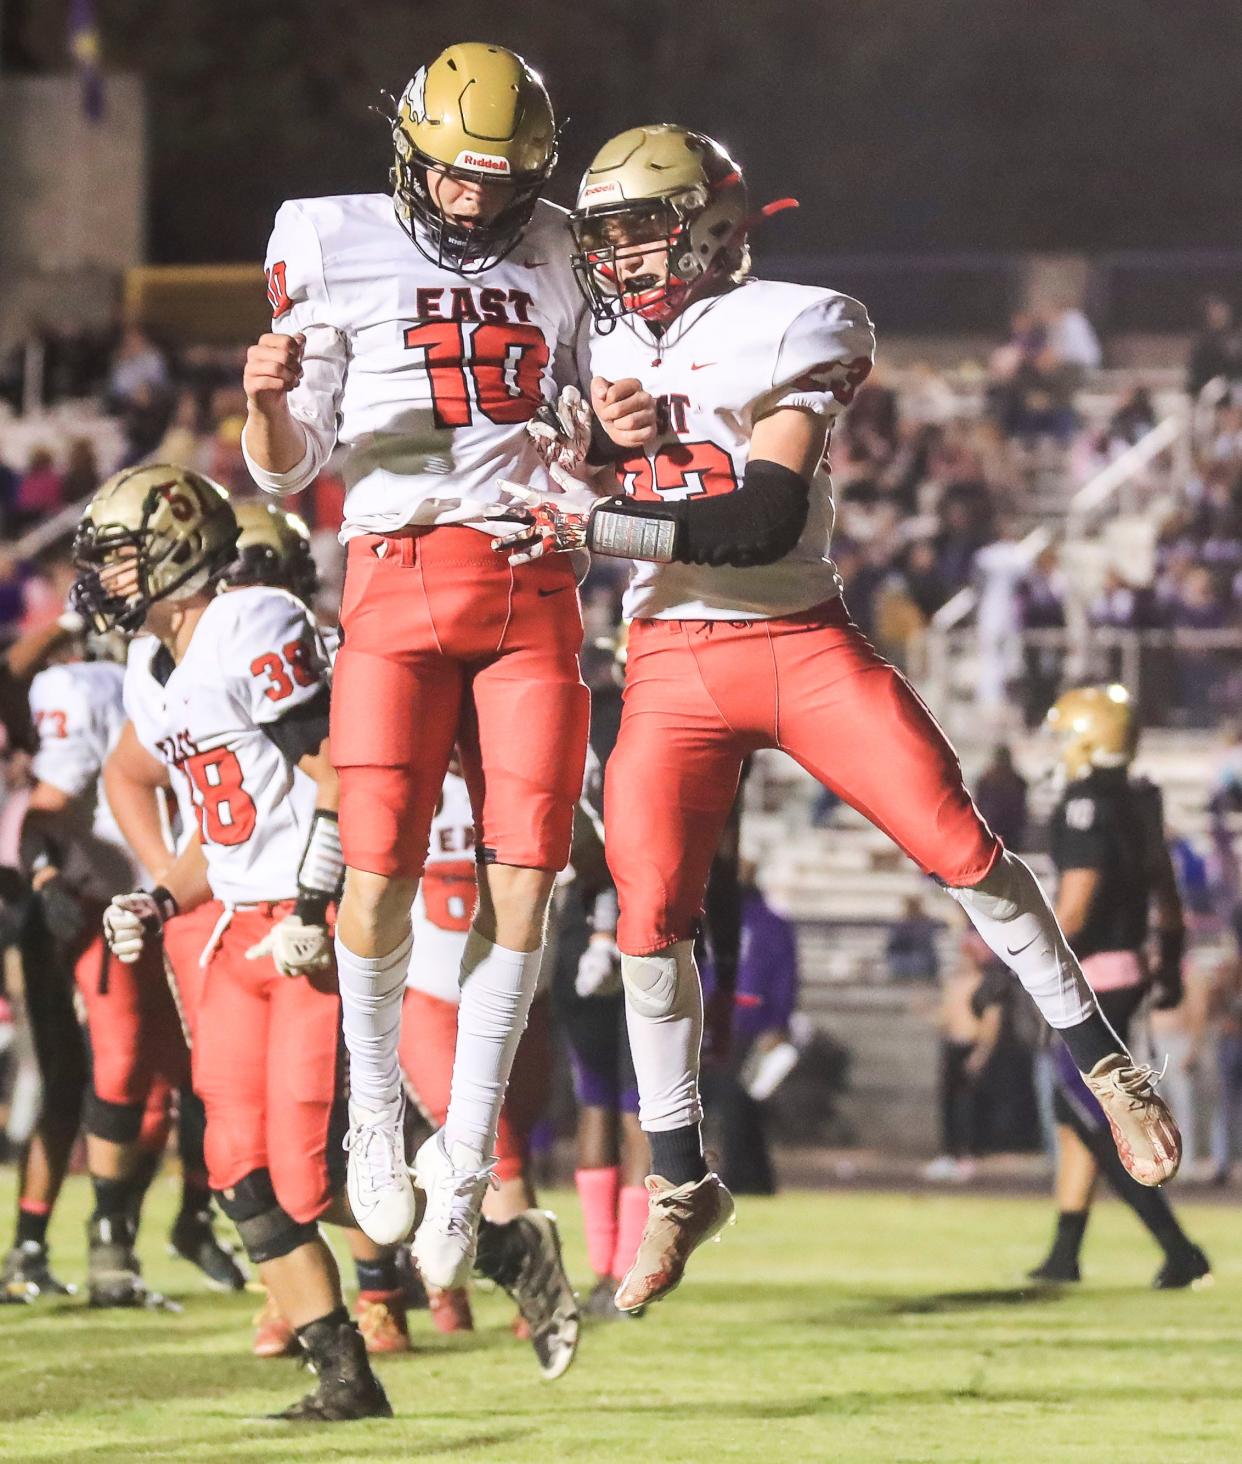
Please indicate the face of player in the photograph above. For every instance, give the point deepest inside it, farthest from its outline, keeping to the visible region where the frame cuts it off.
(468, 202)
(641, 244)
(119, 574)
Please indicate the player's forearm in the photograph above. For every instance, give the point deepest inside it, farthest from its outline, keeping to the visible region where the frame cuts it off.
(186, 879)
(136, 808)
(275, 441)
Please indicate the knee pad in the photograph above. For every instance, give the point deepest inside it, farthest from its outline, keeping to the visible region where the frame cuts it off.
(119, 1123)
(657, 986)
(267, 1231)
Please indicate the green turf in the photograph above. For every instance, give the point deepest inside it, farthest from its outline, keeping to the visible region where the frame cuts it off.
(825, 1327)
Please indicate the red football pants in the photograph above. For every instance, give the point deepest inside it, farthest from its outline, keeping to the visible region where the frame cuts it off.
(428, 1042)
(701, 696)
(265, 1052)
(446, 642)
(138, 1051)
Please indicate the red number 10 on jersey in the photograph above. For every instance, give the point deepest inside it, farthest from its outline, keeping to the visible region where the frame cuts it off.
(505, 363)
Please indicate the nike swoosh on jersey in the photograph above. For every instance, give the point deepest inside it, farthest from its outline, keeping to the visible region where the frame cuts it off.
(534, 263)
(701, 365)
(1026, 947)
(543, 594)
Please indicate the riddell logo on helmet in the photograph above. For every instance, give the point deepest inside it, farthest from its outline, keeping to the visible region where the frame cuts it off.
(487, 162)
(602, 190)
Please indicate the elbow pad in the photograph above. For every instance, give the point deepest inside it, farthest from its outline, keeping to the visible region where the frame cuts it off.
(758, 523)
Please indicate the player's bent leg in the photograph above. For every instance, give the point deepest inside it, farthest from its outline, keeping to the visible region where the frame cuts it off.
(852, 720)
(1012, 914)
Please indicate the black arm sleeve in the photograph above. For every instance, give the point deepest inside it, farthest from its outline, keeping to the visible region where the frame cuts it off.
(303, 729)
(759, 523)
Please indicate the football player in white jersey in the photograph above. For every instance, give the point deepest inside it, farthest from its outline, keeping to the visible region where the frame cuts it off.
(77, 860)
(740, 641)
(422, 330)
(230, 693)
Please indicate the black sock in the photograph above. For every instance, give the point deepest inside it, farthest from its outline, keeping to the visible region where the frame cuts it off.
(1148, 1204)
(319, 1338)
(677, 1154)
(1071, 1227)
(117, 1196)
(379, 1275)
(1091, 1041)
(195, 1196)
(32, 1226)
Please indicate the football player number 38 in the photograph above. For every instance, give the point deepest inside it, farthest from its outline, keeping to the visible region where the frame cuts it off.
(505, 363)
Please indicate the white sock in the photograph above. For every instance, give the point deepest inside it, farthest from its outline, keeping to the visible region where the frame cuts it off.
(497, 987)
(372, 991)
(1011, 912)
(664, 1017)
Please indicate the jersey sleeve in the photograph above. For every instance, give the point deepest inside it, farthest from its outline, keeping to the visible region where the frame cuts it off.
(824, 356)
(274, 658)
(68, 756)
(1080, 834)
(297, 291)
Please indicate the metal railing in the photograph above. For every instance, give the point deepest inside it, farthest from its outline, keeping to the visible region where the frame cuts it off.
(1179, 677)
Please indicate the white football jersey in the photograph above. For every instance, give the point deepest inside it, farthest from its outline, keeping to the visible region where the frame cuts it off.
(426, 377)
(78, 714)
(444, 905)
(255, 656)
(726, 361)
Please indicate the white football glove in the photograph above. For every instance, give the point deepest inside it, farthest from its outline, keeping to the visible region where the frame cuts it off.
(296, 949)
(561, 431)
(556, 523)
(599, 969)
(129, 920)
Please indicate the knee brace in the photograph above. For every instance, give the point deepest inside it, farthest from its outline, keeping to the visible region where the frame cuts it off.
(267, 1231)
(662, 985)
(119, 1123)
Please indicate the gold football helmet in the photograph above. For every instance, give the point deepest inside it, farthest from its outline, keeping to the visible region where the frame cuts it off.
(1097, 727)
(273, 548)
(478, 113)
(176, 526)
(652, 185)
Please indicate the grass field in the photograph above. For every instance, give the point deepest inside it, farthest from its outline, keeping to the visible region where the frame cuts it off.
(839, 1327)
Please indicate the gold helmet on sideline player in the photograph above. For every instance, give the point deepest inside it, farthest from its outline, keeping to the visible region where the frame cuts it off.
(175, 525)
(1096, 726)
(273, 548)
(652, 185)
(480, 114)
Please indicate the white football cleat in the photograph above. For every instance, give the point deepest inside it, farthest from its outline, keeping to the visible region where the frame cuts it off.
(444, 1247)
(381, 1193)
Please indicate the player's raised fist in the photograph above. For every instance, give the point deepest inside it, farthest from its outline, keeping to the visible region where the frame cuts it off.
(273, 369)
(625, 411)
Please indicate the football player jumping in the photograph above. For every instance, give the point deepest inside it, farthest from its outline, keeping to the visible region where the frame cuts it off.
(422, 330)
(740, 640)
(230, 692)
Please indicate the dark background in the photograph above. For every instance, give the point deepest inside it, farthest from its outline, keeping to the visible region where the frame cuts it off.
(902, 125)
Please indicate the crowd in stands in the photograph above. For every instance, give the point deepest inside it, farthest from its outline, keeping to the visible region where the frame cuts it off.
(931, 476)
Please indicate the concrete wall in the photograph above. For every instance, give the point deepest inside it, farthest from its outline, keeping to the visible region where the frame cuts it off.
(72, 198)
